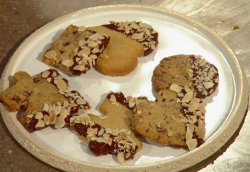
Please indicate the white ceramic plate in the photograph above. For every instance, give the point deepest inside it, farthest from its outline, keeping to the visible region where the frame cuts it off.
(177, 35)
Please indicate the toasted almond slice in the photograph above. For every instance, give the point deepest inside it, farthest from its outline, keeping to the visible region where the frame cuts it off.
(145, 25)
(101, 140)
(64, 113)
(81, 28)
(46, 119)
(137, 35)
(57, 110)
(96, 36)
(45, 74)
(79, 67)
(65, 104)
(68, 62)
(39, 115)
(175, 87)
(81, 101)
(61, 84)
(188, 96)
(46, 107)
(51, 54)
(193, 107)
(191, 144)
(40, 124)
(85, 119)
(103, 116)
(59, 123)
(120, 158)
(208, 85)
(92, 44)
(30, 116)
(52, 118)
(112, 98)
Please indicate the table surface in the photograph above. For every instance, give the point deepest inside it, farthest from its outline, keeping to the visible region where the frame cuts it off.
(19, 18)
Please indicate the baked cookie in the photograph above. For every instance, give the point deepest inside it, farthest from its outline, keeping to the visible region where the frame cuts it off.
(110, 133)
(128, 41)
(76, 51)
(44, 100)
(175, 119)
(190, 70)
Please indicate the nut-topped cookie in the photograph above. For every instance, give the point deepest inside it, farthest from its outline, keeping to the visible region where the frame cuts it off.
(175, 119)
(190, 70)
(76, 51)
(44, 99)
(128, 41)
(111, 133)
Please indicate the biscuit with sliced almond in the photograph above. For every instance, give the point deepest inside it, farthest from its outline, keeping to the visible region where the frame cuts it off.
(175, 119)
(190, 70)
(76, 51)
(44, 99)
(111, 133)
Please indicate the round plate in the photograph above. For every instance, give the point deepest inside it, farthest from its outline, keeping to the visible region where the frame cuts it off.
(177, 35)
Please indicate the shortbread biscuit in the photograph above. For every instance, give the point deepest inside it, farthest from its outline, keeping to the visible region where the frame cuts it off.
(175, 119)
(111, 133)
(190, 70)
(76, 51)
(120, 56)
(44, 100)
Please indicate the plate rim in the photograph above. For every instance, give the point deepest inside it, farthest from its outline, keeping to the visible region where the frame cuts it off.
(63, 162)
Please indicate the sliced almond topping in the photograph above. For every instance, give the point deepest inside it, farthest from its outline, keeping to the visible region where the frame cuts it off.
(175, 87)
(57, 110)
(51, 54)
(81, 111)
(52, 118)
(85, 50)
(208, 85)
(61, 84)
(193, 107)
(46, 119)
(30, 116)
(46, 107)
(96, 36)
(92, 56)
(101, 132)
(120, 158)
(108, 130)
(45, 74)
(49, 80)
(40, 124)
(65, 104)
(85, 119)
(79, 67)
(188, 96)
(64, 113)
(59, 123)
(101, 140)
(39, 115)
(81, 101)
(92, 44)
(72, 120)
(81, 28)
(137, 35)
(192, 144)
(112, 98)
(103, 116)
(68, 62)
(131, 104)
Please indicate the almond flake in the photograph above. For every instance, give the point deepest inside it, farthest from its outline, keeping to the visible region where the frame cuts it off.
(61, 84)
(59, 123)
(81, 28)
(188, 96)
(81, 111)
(192, 144)
(68, 62)
(51, 54)
(92, 44)
(46, 119)
(65, 104)
(30, 116)
(40, 124)
(64, 113)
(208, 85)
(81, 101)
(112, 98)
(145, 25)
(45, 74)
(101, 140)
(103, 116)
(85, 119)
(175, 87)
(92, 56)
(49, 80)
(137, 35)
(120, 158)
(39, 115)
(52, 118)
(96, 36)
(57, 110)
(193, 107)
(79, 67)
(46, 107)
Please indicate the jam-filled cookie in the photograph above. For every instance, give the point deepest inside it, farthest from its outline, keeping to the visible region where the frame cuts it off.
(111, 133)
(76, 51)
(190, 70)
(128, 41)
(44, 100)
